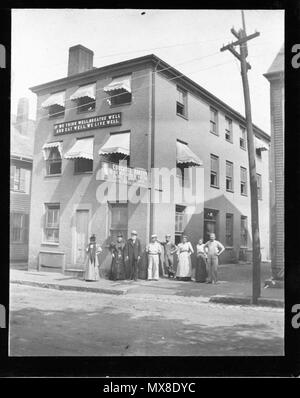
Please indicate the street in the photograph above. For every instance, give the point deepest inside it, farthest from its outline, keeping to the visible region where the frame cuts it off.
(46, 322)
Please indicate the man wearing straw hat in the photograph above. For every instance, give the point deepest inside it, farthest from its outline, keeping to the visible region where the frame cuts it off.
(154, 250)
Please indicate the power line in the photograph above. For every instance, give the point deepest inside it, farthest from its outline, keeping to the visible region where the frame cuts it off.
(140, 89)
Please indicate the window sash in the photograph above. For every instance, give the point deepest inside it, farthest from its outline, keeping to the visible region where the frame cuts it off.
(51, 227)
(244, 231)
(229, 230)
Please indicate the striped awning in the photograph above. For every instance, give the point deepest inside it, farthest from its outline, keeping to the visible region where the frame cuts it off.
(119, 83)
(55, 99)
(186, 156)
(260, 145)
(89, 90)
(47, 148)
(117, 143)
(83, 148)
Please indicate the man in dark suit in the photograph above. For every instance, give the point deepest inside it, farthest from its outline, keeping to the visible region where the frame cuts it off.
(133, 253)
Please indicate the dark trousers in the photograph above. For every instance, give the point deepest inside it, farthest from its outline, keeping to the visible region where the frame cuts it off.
(134, 264)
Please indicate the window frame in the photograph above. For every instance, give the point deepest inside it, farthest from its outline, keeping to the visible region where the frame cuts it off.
(245, 182)
(18, 180)
(82, 160)
(115, 228)
(214, 122)
(243, 136)
(244, 224)
(230, 130)
(112, 95)
(47, 226)
(231, 232)
(52, 161)
(216, 173)
(80, 107)
(183, 104)
(229, 163)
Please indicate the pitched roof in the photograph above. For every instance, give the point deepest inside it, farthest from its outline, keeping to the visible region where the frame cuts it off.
(278, 63)
(21, 145)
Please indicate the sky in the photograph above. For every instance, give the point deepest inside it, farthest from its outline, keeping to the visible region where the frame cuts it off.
(189, 40)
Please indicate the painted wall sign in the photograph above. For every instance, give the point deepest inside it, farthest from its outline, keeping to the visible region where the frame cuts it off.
(116, 173)
(90, 123)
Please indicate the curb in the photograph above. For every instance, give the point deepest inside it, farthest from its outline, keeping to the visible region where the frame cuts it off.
(246, 300)
(69, 288)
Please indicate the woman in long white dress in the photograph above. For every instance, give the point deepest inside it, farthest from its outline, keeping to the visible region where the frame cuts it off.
(92, 264)
(184, 268)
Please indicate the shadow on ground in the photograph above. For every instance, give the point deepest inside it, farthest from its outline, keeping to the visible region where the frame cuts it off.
(104, 333)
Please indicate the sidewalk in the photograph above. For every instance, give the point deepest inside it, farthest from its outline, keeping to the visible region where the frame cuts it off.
(235, 286)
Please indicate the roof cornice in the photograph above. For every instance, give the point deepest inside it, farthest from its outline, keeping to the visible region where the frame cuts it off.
(159, 66)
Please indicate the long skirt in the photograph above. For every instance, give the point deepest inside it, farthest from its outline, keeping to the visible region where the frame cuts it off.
(91, 271)
(117, 269)
(201, 272)
(184, 268)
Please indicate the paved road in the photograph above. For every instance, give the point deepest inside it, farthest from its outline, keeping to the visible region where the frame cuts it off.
(45, 322)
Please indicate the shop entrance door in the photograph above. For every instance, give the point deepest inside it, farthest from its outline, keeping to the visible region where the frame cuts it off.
(81, 239)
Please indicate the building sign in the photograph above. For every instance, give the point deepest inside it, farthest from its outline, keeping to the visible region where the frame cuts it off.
(113, 172)
(90, 123)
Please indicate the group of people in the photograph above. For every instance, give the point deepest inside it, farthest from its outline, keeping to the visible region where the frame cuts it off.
(126, 257)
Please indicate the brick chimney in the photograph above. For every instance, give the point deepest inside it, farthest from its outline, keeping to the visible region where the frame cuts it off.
(80, 59)
(23, 115)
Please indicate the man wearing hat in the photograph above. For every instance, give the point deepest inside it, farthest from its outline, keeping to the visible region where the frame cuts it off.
(133, 253)
(169, 250)
(154, 250)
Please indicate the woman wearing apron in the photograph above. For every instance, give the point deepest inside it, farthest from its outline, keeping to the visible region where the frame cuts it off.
(184, 268)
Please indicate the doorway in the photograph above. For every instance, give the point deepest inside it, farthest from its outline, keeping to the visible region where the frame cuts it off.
(210, 223)
(81, 237)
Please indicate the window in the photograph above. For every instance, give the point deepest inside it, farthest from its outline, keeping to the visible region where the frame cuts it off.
(51, 228)
(82, 165)
(259, 186)
(19, 179)
(229, 176)
(229, 229)
(228, 129)
(179, 222)
(242, 137)
(56, 111)
(211, 217)
(19, 228)
(85, 104)
(53, 163)
(118, 219)
(119, 90)
(214, 121)
(244, 231)
(181, 103)
(243, 181)
(214, 171)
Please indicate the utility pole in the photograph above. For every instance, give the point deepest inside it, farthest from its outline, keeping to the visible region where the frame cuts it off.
(241, 56)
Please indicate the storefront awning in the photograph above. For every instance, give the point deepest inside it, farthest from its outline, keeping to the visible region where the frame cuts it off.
(186, 156)
(117, 143)
(55, 99)
(119, 83)
(82, 148)
(260, 145)
(47, 147)
(89, 90)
